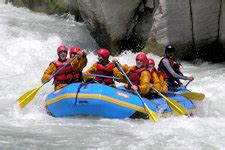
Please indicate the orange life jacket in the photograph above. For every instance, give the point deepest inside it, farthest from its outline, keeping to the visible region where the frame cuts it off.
(135, 75)
(106, 71)
(65, 75)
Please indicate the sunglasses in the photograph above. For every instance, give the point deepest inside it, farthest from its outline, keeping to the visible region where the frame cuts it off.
(62, 52)
(140, 60)
(74, 53)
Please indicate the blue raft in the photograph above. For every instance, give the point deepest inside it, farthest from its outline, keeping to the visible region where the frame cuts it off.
(105, 101)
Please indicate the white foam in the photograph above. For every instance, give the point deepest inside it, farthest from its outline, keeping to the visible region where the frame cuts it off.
(28, 43)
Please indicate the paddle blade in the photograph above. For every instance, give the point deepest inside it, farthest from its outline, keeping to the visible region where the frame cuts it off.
(27, 97)
(152, 115)
(176, 107)
(193, 95)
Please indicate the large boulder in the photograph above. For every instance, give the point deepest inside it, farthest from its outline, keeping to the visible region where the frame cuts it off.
(206, 25)
(195, 27)
(172, 24)
(115, 24)
(222, 27)
(107, 20)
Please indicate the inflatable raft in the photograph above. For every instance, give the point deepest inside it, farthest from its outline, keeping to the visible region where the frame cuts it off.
(105, 101)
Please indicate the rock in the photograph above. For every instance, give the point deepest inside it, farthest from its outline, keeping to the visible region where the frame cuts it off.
(74, 9)
(205, 21)
(206, 16)
(172, 24)
(108, 20)
(195, 27)
(138, 33)
(222, 25)
(47, 6)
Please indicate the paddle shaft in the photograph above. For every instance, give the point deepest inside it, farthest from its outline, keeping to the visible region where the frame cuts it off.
(28, 96)
(59, 70)
(176, 107)
(158, 92)
(152, 115)
(98, 75)
(130, 83)
(187, 83)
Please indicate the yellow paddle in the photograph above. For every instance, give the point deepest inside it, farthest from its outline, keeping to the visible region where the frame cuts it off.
(152, 115)
(174, 105)
(192, 95)
(28, 96)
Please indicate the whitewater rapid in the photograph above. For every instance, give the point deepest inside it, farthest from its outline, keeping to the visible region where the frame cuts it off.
(28, 43)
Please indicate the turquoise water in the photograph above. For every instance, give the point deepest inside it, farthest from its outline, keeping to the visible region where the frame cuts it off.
(28, 43)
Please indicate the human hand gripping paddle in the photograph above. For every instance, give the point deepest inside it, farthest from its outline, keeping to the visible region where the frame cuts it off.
(152, 115)
(28, 96)
(174, 105)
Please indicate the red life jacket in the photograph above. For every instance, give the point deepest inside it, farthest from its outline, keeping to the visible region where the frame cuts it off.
(158, 72)
(165, 73)
(77, 76)
(135, 75)
(106, 71)
(65, 75)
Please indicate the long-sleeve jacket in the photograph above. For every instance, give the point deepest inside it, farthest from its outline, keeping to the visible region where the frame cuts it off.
(164, 86)
(76, 63)
(155, 81)
(94, 70)
(144, 80)
(168, 68)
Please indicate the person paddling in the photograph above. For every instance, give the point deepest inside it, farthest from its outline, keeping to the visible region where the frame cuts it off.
(139, 75)
(64, 77)
(170, 67)
(157, 79)
(103, 67)
(77, 71)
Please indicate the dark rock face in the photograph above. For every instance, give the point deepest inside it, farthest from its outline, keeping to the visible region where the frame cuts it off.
(195, 27)
(206, 28)
(113, 23)
(135, 38)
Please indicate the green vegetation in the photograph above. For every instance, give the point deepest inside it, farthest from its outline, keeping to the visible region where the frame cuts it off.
(19, 3)
(56, 6)
(47, 6)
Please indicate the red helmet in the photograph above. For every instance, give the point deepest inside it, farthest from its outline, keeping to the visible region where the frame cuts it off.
(142, 56)
(104, 53)
(74, 49)
(151, 61)
(62, 48)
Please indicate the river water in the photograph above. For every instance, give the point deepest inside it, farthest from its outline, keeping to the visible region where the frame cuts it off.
(28, 42)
